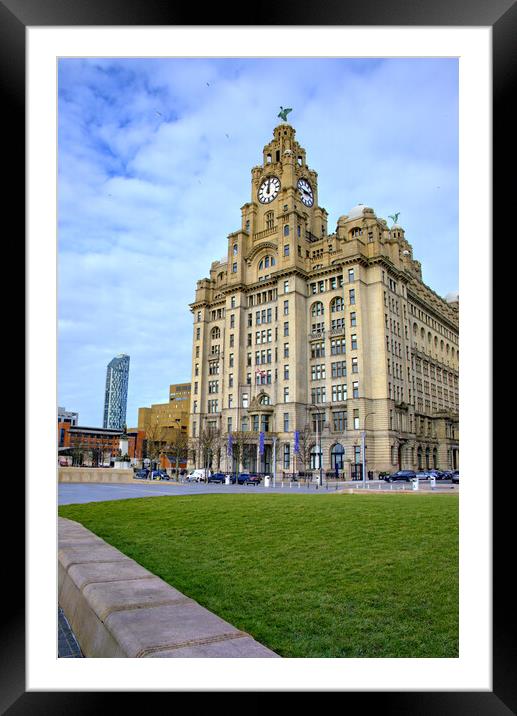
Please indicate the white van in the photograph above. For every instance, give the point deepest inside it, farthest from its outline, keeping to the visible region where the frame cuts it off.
(199, 475)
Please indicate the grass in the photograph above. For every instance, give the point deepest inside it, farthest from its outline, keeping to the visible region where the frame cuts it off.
(306, 575)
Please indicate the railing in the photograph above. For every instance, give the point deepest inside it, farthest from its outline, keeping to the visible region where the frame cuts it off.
(266, 232)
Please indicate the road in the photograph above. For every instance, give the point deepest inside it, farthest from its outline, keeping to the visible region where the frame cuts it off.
(78, 493)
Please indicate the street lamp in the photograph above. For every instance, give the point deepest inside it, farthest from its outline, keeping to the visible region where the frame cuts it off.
(363, 447)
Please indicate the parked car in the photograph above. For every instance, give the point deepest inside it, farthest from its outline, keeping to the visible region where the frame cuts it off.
(401, 476)
(217, 477)
(246, 478)
(156, 475)
(141, 474)
(198, 475)
(424, 475)
(455, 477)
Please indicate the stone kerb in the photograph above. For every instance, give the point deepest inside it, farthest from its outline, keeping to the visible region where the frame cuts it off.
(116, 608)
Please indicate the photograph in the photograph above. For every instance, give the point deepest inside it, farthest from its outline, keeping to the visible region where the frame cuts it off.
(258, 327)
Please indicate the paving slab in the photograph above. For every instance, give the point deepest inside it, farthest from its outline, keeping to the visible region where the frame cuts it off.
(89, 552)
(108, 597)
(244, 647)
(147, 630)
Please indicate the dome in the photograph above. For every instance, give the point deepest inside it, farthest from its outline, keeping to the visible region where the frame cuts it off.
(358, 211)
(452, 297)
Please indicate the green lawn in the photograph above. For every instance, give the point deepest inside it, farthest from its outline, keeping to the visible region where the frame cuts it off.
(306, 575)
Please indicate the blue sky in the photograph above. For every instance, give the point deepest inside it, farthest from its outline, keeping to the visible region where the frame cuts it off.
(154, 164)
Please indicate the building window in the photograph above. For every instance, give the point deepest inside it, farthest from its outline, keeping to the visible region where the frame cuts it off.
(356, 420)
(317, 309)
(231, 360)
(337, 455)
(245, 399)
(286, 231)
(286, 350)
(286, 308)
(338, 369)
(355, 366)
(340, 420)
(286, 250)
(244, 424)
(337, 305)
(286, 286)
(318, 350)
(286, 372)
(230, 401)
(353, 319)
(234, 268)
(230, 380)
(231, 340)
(339, 393)
(351, 275)
(287, 456)
(270, 220)
(337, 346)
(353, 339)
(286, 395)
(198, 333)
(286, 422)
(355, 389)
(286, 328)
(232, 320)
(235, 249)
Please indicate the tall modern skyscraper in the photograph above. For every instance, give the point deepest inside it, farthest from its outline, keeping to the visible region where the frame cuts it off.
(115, 400)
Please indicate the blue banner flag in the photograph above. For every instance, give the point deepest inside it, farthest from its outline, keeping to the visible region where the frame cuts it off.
(261, 444)
(297, 441)
(230, 445)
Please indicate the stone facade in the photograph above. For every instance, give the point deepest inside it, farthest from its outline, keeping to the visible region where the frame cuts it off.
(325, 334)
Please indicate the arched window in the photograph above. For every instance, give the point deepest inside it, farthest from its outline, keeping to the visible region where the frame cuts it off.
(235, 249)
(337, 456)
(265, 400)
(286, 230)
(337, 304)
(317, 309)
(316, 461)
(356, 232)
(266, 262)
(419, 457)
(270, 220)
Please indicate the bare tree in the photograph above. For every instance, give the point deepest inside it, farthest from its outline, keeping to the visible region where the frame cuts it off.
(306, 442)
(155, 442)
(178, 445)
(241, 440)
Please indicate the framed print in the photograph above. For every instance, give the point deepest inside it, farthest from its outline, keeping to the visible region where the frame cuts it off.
(35, 37)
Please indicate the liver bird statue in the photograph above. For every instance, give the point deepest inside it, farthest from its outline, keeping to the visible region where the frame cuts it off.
(284, 112)
(394, 217)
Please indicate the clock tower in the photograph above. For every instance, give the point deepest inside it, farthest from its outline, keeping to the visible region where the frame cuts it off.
(283, 214)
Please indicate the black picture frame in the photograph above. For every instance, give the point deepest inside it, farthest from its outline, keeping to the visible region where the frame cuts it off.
(15, 17)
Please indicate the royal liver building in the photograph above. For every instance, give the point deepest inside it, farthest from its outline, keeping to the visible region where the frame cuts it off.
(307, 342)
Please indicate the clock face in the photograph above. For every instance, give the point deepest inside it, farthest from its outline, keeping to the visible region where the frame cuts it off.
(268, 190)
(305, 191)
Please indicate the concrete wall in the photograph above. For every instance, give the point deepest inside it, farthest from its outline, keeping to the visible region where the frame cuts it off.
(94, 474)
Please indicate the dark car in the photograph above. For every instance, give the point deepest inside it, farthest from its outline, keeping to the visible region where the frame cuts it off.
(401, 476)
(455, 477)
(159, 475)
(246, 478)
(141, 474)
(217, 477)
